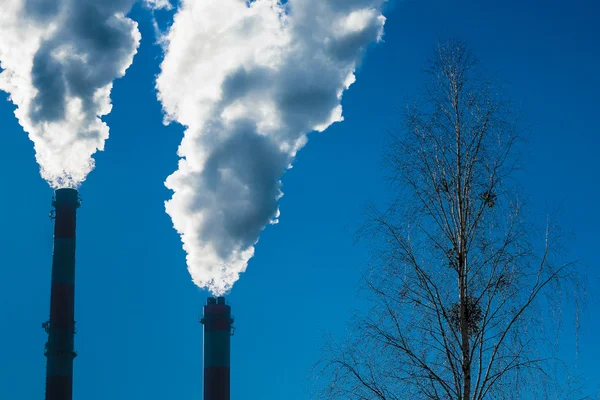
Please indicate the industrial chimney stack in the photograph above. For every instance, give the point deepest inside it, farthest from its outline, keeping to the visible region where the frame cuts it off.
(61, 326)
(217, 323)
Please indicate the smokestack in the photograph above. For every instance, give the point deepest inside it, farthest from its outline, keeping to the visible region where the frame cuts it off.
(61, 326)
(217, 323)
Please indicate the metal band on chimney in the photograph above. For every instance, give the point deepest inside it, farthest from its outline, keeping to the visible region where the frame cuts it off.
(61, 326)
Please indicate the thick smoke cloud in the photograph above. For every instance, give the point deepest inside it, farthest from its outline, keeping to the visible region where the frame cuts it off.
(59, 59)
(249, 81)
(158, 4)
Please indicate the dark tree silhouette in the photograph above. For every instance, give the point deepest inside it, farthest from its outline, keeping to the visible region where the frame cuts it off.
(459, 278)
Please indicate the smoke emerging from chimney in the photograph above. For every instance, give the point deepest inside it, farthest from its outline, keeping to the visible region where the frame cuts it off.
(249, 80)
(59, 59)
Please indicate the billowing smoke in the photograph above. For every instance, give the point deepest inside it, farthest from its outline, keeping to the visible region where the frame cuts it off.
(158, 4)
(59, 59)
(249, 80)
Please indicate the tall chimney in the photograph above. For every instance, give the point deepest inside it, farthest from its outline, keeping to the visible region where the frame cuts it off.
(61, 326)
(217, 323)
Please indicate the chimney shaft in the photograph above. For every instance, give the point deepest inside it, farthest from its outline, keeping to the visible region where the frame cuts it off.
(61, 326)
(217, 323)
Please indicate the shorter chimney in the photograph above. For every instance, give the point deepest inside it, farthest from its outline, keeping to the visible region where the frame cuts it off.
(217, 323)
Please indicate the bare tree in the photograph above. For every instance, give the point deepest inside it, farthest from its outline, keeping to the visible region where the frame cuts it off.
(461, 284)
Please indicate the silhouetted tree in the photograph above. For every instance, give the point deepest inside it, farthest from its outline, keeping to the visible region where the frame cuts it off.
(459, 278)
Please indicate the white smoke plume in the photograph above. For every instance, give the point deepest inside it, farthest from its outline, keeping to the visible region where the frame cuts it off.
(158, 4)
(58, 60)
(249, 80)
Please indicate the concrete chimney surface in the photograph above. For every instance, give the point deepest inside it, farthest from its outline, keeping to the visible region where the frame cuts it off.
(61, 325)
(217, 323)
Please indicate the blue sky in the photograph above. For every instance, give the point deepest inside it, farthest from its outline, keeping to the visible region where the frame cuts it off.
(137, 310)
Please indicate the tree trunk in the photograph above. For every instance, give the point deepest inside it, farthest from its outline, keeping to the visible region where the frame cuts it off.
(464, 332)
